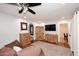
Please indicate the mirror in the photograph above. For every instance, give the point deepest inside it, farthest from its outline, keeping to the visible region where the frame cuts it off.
(31, 29)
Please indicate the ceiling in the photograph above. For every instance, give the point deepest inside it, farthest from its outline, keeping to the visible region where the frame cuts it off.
(45, 12)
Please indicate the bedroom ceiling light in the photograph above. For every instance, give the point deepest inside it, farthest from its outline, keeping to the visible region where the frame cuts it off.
(62, 17)
(64, 21)
(39, 22)
(25, 17)
(63, 3)
(25, 10)
(19, 8)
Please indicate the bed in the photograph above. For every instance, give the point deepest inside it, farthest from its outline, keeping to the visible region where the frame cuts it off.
(53, 49)
(37, 48)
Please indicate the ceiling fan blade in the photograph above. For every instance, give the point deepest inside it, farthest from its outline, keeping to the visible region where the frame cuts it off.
(26, 4)
(20, 11)
(30, 10)
(33, 4)
(15, 4)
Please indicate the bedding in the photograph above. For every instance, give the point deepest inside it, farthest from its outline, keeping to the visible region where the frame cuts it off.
(6, 51)
(52, 49)
(10, 49)
(30, 51)
(14, 43)
(37, 48)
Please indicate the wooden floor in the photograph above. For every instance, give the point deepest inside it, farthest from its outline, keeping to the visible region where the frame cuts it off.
(64, 43)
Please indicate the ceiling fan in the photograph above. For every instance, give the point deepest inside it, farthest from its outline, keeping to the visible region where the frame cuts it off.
(24, 7)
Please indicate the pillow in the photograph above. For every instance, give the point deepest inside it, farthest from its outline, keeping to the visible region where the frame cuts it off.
(17, 49)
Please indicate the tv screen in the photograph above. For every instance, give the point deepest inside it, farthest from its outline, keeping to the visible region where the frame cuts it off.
(51, 27)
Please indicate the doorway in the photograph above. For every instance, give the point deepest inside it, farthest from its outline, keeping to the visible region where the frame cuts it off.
(64, 29)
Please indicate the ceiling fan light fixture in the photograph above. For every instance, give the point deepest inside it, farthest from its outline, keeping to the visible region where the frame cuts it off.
(25, 9)
(62, 17)
(63, 3)
(24, 17)
(19, 8)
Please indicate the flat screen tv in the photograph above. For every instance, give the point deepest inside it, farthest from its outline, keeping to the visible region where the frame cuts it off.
(50, 27)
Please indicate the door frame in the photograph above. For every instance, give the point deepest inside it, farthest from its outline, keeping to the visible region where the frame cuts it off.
(62, 22)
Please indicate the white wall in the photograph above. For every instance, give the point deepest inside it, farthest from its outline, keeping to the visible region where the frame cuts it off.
(78, 32)
(75, 33)
(9, 29)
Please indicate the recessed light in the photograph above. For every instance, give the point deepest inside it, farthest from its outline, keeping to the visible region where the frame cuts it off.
(19, 8)
(25, 17)
(62, 3)
(62, 17)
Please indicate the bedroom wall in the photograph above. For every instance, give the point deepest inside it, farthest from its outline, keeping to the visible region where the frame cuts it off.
(75, 33)
(78, 32)
(9, 29)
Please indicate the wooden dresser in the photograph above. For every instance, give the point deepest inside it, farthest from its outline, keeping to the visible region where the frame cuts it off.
(53, 38)
(40, 33)
(25, 39)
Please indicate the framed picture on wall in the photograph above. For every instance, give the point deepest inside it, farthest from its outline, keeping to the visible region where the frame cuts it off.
(23, 26)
